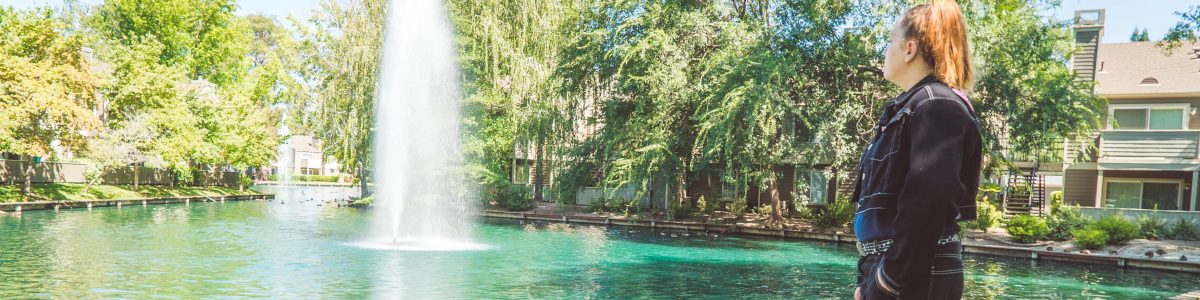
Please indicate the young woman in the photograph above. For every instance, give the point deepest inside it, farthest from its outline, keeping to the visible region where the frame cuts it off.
(920, 173)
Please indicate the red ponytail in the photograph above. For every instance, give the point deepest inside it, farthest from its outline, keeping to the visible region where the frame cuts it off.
(941, 36)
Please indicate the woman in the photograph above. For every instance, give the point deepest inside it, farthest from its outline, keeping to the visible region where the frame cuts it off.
(920, 173)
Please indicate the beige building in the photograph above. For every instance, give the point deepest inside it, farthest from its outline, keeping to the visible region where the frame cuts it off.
(307, 158)
(1147, 152)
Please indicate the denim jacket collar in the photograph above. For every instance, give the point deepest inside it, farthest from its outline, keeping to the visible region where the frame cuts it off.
(903, 98)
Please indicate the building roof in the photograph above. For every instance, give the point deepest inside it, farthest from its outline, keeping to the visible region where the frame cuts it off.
(305, 143)
(1141, 69)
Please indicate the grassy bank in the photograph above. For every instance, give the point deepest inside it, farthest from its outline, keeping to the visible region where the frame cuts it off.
(74, 191)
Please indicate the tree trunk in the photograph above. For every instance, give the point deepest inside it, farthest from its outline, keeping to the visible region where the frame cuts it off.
(776, 203)
(537, 174)
(362, 182)
(135, 178)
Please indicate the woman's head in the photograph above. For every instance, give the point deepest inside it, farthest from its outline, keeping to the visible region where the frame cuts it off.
(929, 38)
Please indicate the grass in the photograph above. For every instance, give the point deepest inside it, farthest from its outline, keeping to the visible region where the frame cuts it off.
(74, 191)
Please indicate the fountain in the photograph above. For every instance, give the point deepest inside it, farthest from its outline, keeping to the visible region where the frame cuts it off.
(421, 201)
(283, 166)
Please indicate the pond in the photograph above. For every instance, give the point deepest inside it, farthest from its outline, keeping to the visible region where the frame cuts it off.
(301, 250)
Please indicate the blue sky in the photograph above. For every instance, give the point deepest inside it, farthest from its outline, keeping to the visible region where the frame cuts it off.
(1122, 15)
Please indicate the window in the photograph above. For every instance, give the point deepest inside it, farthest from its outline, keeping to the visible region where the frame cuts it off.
(1161, 195)
(1171, 117)
(816, 186)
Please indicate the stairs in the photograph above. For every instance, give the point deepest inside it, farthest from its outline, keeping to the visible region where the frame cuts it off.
(1026, 194)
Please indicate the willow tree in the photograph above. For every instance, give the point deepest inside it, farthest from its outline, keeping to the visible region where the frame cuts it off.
(342, 53)
(510, 54)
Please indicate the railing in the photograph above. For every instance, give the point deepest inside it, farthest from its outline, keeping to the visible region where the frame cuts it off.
(1181, 144)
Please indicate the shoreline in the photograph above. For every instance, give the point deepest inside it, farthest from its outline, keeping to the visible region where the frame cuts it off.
(16, 207)
(969, 246)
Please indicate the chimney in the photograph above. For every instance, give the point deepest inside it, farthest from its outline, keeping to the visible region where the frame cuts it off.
(1089, 31)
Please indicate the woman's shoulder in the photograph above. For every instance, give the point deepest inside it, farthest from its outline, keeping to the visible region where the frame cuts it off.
(942, 96)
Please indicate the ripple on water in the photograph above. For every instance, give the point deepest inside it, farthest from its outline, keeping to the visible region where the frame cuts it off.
(420, 245)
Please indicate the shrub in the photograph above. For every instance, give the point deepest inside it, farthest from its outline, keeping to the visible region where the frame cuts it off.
(363, 202)
(1027, 229)
(609, 205)
(1063, 221)
(738, 206)
(703, 206)
(681, 210)
(1119, 229)
(833, 215)
(986, 216)
(1183, 230)
(1056, 201)
(516, 197)
(1090, 238)
(1153, 227)
(298, 177)
(764, 209)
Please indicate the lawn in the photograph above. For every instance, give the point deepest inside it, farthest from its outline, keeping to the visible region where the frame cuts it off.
(74, 191)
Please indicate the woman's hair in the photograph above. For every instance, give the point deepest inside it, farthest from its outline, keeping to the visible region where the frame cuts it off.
(941, 38)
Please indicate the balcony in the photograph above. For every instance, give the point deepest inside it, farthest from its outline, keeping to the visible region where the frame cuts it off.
(1167, 146)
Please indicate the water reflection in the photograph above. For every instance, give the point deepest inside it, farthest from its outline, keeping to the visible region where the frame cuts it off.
(300, 250)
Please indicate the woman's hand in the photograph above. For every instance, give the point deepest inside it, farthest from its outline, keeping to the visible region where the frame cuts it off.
(858, 293)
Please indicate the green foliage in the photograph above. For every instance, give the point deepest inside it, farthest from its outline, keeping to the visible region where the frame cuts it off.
(682, 210)
(75, 191)
(341, 48)
(1118, 229)
(1027, 228)
(517, 197)
(833, 215)
(738, 206)
(245, 181)
(1056, 200)
(1184, 230)
(1065, 220)
(1152, 227)
(367, 201)
(986, 216)
(764, 210)
(1139, 36)
(616, 205)
(1187, 29)
(319, 178)
(47, 86)
(214, 51)
(1090, 238)
(704, 207)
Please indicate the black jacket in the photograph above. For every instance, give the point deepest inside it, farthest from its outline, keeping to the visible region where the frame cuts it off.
(918, 176)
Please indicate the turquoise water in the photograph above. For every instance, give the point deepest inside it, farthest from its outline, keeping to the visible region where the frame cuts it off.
(301, 250)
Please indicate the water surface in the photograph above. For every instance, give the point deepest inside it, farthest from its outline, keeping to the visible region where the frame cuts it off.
(298, 249)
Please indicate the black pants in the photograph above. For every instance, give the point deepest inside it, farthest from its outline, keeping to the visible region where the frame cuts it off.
(945, 280)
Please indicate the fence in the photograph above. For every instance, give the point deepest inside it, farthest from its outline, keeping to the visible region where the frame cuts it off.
(13, 172)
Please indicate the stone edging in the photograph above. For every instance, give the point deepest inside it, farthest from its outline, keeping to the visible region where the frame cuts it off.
(68, 204)
(968, 247)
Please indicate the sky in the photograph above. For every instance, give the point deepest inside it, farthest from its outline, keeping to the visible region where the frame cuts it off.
(1121, 15)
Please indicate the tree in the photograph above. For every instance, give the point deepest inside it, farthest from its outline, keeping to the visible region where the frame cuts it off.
(203, 37)
(1187, 29)
(124, 146)
(47, 90)
(190, 67)
(343, 53)
(1139, 36)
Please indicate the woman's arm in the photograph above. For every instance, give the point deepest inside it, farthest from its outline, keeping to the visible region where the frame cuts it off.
(935, 146)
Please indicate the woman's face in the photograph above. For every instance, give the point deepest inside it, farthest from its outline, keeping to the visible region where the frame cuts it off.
(897, 55)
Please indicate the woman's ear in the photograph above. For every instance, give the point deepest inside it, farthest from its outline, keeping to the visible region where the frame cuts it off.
(910, 50)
